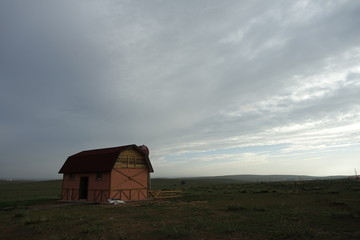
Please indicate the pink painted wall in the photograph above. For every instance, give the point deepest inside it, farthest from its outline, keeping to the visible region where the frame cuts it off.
(129, 183)
(98, 190)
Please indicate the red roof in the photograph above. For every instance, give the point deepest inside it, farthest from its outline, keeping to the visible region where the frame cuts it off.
(98, 160)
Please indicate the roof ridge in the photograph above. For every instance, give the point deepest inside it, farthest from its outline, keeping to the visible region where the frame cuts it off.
(107, 148)
(101, 159)
(102, 150)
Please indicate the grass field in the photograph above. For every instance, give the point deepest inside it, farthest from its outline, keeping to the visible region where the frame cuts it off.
(208, 210)
(24, 193)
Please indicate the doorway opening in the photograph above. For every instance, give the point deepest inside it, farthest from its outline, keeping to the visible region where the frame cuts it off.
(84, 184)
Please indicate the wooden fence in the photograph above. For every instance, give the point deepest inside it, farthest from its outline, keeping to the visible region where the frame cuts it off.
(160, 194)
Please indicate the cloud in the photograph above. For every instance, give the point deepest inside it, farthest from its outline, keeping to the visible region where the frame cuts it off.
(182, 78)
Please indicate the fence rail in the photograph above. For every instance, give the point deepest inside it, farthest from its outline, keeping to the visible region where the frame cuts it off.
(159, 194)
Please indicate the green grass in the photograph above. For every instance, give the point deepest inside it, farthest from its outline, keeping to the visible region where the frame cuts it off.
(25, 193)
(208, 210)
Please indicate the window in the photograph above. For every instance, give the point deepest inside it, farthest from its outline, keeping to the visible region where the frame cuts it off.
(72, 176)
(99, 176)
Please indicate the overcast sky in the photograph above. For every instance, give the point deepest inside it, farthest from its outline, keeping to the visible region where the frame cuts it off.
(211, 87)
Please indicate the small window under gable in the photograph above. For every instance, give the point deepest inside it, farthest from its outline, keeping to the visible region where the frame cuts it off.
(99, 176)
(72, 176)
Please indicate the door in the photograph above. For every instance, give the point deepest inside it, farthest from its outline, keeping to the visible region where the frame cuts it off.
(84, 184)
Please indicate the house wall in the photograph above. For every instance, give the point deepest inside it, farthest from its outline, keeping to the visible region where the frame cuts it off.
(129, 184)
(130, 177)
(98, 189)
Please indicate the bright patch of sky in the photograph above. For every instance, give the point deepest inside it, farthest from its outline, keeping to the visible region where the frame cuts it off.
(218, 153)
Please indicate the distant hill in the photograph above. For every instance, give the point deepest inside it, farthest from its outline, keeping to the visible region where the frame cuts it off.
(272, 178)
(250, 178)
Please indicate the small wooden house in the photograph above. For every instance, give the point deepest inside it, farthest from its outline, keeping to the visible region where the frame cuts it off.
(110, 173)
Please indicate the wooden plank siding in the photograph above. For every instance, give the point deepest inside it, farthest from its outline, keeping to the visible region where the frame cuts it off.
(130, 159)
